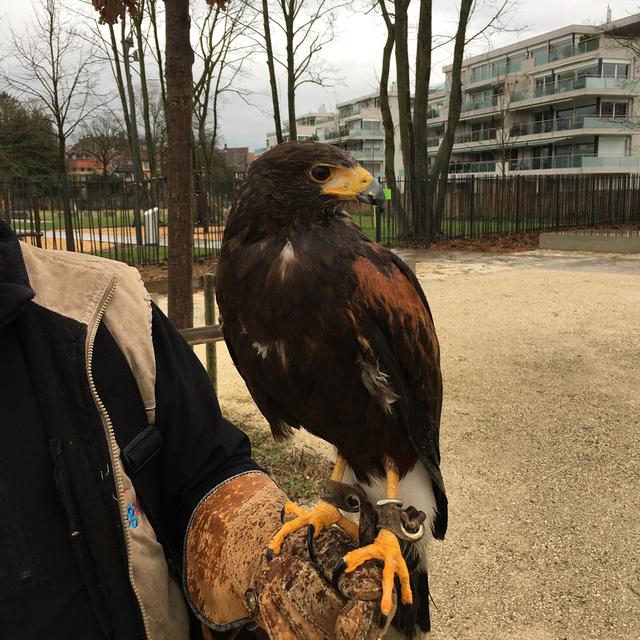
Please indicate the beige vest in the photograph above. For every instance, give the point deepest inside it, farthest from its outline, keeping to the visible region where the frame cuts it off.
(89, 289)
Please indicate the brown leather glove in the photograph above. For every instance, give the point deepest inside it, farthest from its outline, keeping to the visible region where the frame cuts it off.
(230, 583)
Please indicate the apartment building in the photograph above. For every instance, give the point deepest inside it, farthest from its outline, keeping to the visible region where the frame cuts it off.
(357, 128)
(306, 127)
(567, 101)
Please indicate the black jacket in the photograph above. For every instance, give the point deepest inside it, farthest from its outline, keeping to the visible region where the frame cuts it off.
(59, 522)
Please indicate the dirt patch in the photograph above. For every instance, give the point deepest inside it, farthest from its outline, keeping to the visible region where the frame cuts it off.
(156, 274)
(491, 244)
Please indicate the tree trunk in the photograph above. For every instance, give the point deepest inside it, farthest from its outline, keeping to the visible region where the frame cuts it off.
(179, 59)
(272, 71)
(440, 171)
(291, 72)
(66, 204)
(137, 156)
(387, 123)
(156, 40)
(405, 125)
(421, 194)
(121, 89)
(144, 91)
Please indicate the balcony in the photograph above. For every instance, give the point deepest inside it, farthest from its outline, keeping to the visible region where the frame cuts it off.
(367, 154)
(592, 44)
(356, 132)
(575, 162)
(566, 124)
(433, 142)
(624, 85)
(476, 136)
(480, 104)
(349, 111)
(473, 167)
(478, 75)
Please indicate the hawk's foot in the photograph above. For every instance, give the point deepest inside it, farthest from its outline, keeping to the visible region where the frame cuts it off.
(322, 516)
(386, 548)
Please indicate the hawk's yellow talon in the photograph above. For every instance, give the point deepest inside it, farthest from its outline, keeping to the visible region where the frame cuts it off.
(322, 516)
(386, 548)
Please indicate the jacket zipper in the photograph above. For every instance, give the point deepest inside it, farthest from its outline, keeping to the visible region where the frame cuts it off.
(113, 445)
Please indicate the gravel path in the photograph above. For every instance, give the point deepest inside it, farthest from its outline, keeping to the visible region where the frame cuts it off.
(541, 444)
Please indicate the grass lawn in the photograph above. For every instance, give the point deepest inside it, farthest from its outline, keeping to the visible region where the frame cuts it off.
(301, 472)
(144, 254)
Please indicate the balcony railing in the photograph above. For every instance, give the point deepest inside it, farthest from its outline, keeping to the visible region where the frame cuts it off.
(495, 72)
(476, 136)
(433, 142)
(575, 162)
(480, 104)
(566, 52)
(472, 167)
(356, 132)
(625, 85)
(566, 124)
(367, 154)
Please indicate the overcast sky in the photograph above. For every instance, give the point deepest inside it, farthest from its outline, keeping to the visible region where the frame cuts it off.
(356, 52)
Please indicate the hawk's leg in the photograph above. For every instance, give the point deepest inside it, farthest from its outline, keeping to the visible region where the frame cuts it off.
(385, 547)
(322, 516)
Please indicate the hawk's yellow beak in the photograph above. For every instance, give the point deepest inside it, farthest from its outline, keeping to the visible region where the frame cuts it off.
(355, 184)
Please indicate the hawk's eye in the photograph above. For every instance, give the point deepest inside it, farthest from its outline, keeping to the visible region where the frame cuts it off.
(320, 173)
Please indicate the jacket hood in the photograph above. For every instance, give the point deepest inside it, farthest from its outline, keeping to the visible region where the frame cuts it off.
(15, 290)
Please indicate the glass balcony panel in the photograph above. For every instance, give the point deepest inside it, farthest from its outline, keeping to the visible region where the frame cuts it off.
(566, 51)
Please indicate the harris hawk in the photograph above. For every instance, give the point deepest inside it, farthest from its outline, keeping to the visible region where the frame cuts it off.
(333, 333)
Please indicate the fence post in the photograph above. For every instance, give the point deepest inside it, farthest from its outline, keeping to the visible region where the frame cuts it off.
(209, 285)
(377, 222)
(472, 201)
(36, 220)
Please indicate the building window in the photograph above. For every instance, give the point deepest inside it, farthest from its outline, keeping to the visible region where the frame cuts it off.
(613, 109)
(615, 70)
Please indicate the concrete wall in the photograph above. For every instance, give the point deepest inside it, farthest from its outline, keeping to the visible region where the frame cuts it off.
(611, 241)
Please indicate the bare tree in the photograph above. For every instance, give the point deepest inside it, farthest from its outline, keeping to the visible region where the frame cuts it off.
(421, 193)
(403, 82)
(412, 115)
(273, 83)
(305, 27)
(156, 49)
(387, 119)
(440, 170)
(53, 66)
(221, 54)
(103, 139)
(140, 39)
(507, 133)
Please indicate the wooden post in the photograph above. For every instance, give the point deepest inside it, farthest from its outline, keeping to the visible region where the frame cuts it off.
(209, 285)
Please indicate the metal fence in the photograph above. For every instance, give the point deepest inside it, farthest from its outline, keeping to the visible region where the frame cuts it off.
(111, 217)
(128, 221)
(481, 206)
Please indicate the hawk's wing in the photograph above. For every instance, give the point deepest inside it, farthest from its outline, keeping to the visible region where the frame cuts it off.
(392, 315)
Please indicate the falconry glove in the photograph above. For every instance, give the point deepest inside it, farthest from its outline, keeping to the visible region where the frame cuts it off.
(230, 582)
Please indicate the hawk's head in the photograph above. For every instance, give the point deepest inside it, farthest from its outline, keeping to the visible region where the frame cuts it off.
(298, 178)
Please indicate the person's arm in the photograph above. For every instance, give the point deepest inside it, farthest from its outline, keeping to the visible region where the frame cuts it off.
(201, 449)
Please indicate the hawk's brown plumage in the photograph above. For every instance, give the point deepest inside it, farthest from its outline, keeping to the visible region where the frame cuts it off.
(330, 331)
